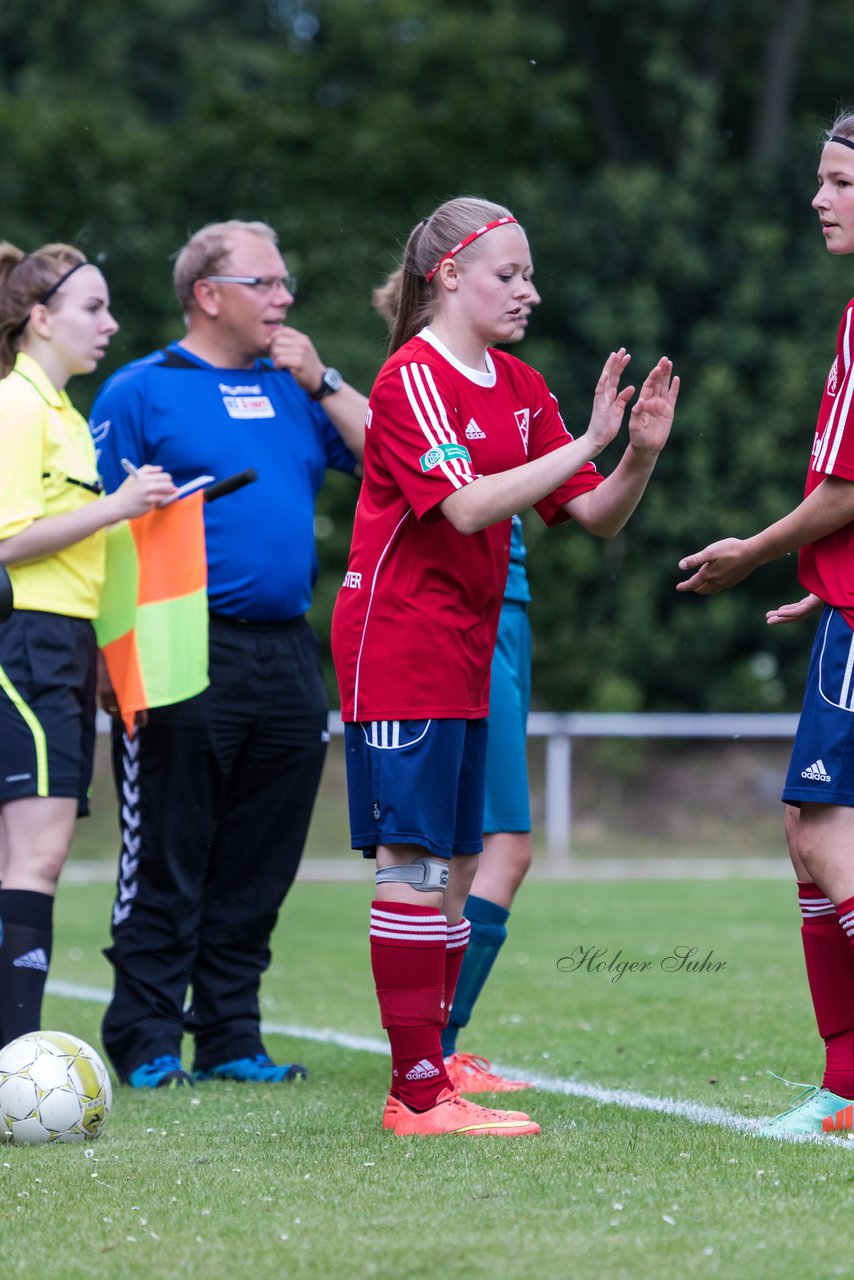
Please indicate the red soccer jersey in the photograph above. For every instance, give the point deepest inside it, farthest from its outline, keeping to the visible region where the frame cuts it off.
(415, 621)
(826, 567)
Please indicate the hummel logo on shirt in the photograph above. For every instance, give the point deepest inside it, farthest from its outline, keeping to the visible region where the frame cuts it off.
(422, 1070)
(36, 959)
(246, 402)
(473, 431)
(816, 772)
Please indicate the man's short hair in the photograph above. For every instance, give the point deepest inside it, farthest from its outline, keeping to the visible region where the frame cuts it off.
(206, 252)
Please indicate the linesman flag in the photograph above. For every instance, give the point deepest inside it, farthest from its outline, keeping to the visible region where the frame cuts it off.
(153, 623)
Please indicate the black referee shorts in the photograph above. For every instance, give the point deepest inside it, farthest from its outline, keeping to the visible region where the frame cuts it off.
(47, 706)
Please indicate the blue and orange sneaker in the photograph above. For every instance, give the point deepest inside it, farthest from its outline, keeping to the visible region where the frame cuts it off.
(815, 1110)
(165, 1072)
(258, 1070)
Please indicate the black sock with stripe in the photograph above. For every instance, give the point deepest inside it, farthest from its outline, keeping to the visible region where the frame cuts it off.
(26, 935)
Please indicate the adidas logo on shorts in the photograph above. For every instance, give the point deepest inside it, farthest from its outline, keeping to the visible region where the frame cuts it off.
(422, 1070)
(816, 772)
(36, 959)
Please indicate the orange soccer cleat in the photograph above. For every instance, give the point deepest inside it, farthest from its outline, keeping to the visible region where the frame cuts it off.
(453, 1114)
(471, 1074)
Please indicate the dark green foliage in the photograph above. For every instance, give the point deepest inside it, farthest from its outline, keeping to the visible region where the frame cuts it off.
(661, 157)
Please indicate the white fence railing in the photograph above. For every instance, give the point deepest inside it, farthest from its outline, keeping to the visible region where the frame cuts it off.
(560, 730)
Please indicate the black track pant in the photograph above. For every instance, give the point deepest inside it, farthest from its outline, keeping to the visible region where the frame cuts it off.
(215, 797)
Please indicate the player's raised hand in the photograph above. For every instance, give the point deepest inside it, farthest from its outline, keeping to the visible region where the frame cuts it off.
(652, 415)
(292, 350)
(795, 611)
(718, 566)
(609, 402)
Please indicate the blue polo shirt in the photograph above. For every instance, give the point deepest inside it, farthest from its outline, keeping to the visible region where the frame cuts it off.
(192, 418)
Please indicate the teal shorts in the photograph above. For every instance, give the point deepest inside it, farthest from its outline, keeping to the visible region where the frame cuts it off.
(507, 805)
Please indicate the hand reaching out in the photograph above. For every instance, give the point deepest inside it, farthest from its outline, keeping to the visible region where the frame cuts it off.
(718, 566)
(795, 611)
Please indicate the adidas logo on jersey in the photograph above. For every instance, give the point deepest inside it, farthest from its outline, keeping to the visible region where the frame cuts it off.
(816, 772)
(473, 431)
(422, 1070)
(36, 959)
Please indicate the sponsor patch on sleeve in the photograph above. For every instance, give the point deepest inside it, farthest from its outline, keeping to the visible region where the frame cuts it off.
(443, 453)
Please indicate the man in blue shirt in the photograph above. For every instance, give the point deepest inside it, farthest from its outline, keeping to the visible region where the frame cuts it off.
(215, 793)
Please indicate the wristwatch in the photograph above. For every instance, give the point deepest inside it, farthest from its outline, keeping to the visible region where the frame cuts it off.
(329, 384)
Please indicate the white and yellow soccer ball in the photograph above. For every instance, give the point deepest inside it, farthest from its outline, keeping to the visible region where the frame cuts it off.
(53, 1088)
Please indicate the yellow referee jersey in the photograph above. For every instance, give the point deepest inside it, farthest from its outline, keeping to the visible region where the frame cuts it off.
(47, 467)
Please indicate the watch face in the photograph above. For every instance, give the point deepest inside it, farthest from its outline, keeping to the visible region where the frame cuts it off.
(332, 380)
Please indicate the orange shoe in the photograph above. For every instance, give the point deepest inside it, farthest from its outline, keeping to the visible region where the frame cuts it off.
(471, 1074)
(453, 1114)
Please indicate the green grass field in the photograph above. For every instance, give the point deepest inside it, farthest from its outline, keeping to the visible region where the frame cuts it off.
(228, 1180)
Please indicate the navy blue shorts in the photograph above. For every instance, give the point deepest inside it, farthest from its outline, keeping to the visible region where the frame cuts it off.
(507, 806)
(47, 706)
(821, 769)
(416, 782)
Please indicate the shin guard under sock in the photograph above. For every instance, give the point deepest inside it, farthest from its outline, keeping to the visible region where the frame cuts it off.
(488, 933)
(26, 919)
(408, 946)
(830, 972)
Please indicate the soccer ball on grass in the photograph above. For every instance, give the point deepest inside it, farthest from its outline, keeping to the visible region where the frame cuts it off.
(53, 1088)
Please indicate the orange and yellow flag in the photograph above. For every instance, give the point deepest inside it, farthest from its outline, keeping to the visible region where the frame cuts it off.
(153, 620)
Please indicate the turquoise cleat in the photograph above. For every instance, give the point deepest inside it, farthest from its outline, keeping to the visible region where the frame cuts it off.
(815, 1110)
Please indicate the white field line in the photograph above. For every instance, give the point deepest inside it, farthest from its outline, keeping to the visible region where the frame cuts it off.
(694, 1112)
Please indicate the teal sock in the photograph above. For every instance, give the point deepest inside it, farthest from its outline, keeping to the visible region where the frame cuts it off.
(488, 932)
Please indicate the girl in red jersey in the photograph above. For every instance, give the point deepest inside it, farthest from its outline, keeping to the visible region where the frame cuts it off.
(819, 790)
(459, 437)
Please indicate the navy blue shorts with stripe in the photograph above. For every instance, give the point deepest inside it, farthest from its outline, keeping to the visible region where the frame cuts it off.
(416, 782)
(47, 706)
(821, 769)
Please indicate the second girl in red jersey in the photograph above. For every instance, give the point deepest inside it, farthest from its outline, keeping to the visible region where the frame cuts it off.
(459, 438)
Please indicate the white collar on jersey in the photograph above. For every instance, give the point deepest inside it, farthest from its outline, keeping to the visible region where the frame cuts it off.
(474, 375)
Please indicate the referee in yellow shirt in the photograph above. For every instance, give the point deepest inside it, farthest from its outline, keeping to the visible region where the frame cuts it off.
(55, 322)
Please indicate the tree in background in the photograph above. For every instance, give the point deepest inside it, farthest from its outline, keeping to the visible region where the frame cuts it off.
(659, 157)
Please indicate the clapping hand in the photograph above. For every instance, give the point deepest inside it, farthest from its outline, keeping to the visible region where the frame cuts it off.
(652, 415)
(609, 403)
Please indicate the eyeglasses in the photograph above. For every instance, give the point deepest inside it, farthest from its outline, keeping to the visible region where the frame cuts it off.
(264, 284)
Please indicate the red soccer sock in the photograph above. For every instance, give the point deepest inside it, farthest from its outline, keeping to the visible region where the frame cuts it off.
(408, 960)
(830, 971)
(458, 940)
